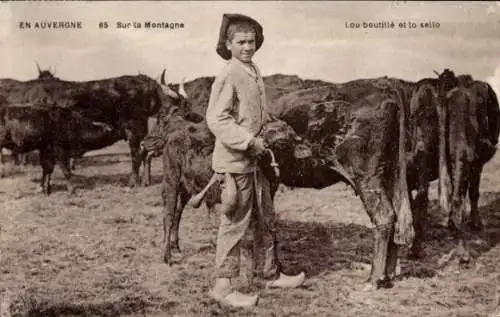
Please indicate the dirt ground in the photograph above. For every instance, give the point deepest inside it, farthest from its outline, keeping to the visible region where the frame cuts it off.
(98, 253)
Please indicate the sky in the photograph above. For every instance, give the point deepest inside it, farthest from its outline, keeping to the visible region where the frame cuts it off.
(308, 39)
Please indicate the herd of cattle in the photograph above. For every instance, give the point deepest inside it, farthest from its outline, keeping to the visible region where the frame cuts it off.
(384, 137)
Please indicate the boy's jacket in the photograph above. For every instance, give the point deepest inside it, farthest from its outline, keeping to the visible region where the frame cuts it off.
(236, 113)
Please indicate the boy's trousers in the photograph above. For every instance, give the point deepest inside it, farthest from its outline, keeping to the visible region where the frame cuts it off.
(253, 214)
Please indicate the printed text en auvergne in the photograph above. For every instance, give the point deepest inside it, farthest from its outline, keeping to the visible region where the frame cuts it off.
(50, 24)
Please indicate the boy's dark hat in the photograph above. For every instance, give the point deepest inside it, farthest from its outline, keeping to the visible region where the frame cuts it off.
(228, 19)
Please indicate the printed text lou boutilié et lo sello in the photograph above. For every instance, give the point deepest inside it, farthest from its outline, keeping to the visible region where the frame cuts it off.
(392, 25)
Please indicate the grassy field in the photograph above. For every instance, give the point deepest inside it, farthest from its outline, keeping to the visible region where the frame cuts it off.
(98, 253)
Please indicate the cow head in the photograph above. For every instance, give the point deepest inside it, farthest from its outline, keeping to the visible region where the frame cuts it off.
(284, 141)
(106, 127)
(178, 101)
(45, 74)
(94, 135)
(446, 81)
(288, 150)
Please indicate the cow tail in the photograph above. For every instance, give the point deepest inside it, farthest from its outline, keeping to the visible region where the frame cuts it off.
(444, 173)
(403, 231)
(493, 113)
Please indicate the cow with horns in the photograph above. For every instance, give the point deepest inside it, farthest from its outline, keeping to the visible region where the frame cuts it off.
(125, 103)
(153, 144)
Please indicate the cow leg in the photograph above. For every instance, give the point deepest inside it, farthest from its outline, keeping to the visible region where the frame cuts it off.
(458, 212)
(169, 207)
(47, 163)
(383, 217)
(136, 162)
(24, 158)
(73, 163)
(419, 211)
(46, 187)
(17, 158)
(184, 197)
(392, 264)
(475, 219)
(461, 251)
(65, 167)
(146, 175)
(135, 135)
(63, 159)
(170, 196)
(20, 158)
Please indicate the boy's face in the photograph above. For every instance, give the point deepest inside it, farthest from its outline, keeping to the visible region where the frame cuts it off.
(242, 46)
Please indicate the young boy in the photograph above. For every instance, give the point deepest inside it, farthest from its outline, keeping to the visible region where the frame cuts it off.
(235, 115)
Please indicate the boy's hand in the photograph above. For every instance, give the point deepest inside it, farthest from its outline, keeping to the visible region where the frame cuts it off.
(257, 147)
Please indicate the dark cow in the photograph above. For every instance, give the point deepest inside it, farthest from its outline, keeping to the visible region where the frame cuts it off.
(373, 152)
(325, 123)
(365, 135)
(367, 157)
(55, 132)
(469, 130)
(365, 154)
(124, 102)
(323, 115)
(187, 160)
(153, 144)
(94, 139)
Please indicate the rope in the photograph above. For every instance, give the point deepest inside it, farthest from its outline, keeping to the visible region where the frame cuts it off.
(274, 164)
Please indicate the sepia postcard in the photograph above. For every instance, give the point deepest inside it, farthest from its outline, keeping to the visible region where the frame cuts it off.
(352, 144)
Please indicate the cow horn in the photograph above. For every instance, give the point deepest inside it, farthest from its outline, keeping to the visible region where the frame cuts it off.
(166, 88)
(38, 67)
(435, 72)
(162, 77)
(102, 125)
(182, 90)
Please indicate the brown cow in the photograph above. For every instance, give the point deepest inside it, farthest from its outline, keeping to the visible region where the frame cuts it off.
(153, 143)
(187, 168)
(367, 157)
(325, 122)
(55, 132)
(469, 130)
(124, 102)
(365, 138)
